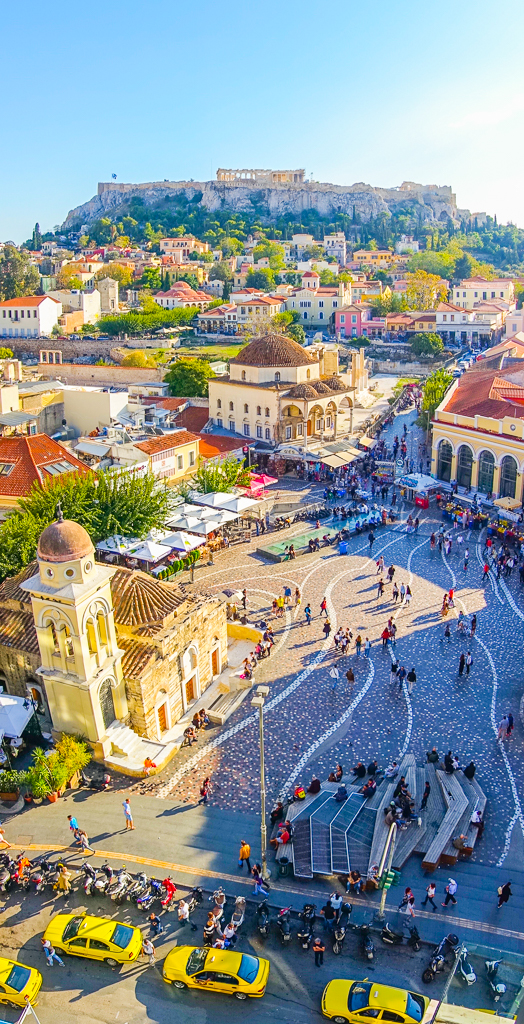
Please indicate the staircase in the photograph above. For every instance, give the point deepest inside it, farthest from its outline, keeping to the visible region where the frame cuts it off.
(127, 751)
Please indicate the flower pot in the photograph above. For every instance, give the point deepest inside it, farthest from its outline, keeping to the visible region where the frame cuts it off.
(73, 781)
(10, 797)
(52, 797)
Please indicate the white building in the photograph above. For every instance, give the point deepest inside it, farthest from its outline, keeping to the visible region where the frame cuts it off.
(514, 322)
(32, 316)
(316, 303)
(477, 289)
(335, 245)
(75, 300)
(108, 289)
(91, 408)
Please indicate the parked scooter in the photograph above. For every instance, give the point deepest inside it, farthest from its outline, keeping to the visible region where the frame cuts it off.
(194, 899)
(138, 888)
(237, 917)
(368, 946)
(118, 888)
(263, 919)
(341, 927)
(155, 891)
(305, 931)
(390, 937)
(497, 988)
(6, 881)
(464, 968)
(448, 945)
(89, 879)
(283, 924)
(219, 899)
(104, 879)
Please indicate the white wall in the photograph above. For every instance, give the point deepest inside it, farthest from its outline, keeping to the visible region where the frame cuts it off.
(85, 409)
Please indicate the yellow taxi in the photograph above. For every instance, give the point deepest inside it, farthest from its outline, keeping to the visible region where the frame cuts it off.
(97, 938)
(217, 970)
(358, 1001)
(18, 983)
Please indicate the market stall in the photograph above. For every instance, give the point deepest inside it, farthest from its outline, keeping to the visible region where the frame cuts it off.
(419, 488)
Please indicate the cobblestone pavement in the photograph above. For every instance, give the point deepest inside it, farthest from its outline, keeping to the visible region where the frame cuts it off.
(309, 727)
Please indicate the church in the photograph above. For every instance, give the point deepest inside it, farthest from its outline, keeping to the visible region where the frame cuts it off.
(111, 653)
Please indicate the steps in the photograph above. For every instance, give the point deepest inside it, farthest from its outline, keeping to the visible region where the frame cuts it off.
(340, 863)
(128, 751)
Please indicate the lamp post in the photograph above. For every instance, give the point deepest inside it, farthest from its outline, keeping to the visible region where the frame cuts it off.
(258, 701)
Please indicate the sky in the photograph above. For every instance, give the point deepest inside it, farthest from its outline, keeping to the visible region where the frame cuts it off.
(380, 93)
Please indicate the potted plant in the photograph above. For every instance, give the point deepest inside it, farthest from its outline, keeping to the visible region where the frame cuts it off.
(47, 775)
(10, 782)
(75, 755)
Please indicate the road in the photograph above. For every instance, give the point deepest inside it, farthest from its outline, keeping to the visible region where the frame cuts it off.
(91, 993)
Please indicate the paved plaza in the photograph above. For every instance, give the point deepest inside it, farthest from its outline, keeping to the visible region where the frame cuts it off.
(309, 727)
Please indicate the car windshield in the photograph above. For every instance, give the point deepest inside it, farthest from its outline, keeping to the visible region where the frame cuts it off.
(414, 1006)
(248, 969)
(18, 977)
(71, 928)
(122, 936)
(358, 996)
(196, 961)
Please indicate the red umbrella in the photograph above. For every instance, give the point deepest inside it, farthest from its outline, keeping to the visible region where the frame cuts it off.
(263, 479)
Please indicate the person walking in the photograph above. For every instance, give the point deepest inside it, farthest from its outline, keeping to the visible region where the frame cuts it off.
(430, 896)
(244, 598)
(462, 662)
(323, 607)
(411, 678)
(50, 953)
(83, 839)
(73, 825)
(502, 728)
(298, 597)
(155, 925)
(395, 593)
(371, 539)
(350, 676)
(402, 592)
(287, 595)
(307, 613)
(183, 916)
(367, 647)
(509, 730)
(473, 625)
(335, 676)
(204, 790)
(7, 845)
(148, 950)
(401, 675)
(451, 889)
(485, 573)
(380, 589)
(406, 904)
(425, 796)
(128, 814)
(409, 595)
(326, 629)
(358, 645)
(504, 893)
(319, 950)
(261, 889)
(63, 883)
(466, 559)
(244, 855)
(469, 662)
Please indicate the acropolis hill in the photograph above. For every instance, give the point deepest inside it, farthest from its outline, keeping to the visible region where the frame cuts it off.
(273, 194)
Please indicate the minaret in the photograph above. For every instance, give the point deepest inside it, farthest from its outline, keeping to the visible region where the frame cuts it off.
(73, 613)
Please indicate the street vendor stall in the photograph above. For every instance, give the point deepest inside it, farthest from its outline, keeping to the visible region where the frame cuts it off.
(419, 488)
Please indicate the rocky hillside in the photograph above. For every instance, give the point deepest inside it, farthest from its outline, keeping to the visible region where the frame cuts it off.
(434, 203)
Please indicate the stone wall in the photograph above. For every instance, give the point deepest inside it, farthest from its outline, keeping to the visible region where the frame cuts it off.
(18, 669)
(75, 373)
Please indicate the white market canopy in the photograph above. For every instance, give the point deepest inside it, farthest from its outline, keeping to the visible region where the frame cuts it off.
(205, 526)
(117, 544)
(419, 482)
(189, 523)
(186, 509)
(240, 504)
(150, 552)
(13, 715)
(216, 499)
(181, 541)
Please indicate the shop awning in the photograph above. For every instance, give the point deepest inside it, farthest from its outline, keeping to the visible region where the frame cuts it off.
(508, 503)
(335, 461)
(368, 442)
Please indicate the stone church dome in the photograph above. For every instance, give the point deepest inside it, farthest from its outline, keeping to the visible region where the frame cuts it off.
(274, 350)
(64, 541)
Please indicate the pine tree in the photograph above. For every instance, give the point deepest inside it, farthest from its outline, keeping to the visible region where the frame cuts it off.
(37, 238)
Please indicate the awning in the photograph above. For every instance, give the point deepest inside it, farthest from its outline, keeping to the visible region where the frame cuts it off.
(508, 503)
(181, 541)
(368, 442)
(14, 715)
(16, 419)
(92, 448)
(335, 461)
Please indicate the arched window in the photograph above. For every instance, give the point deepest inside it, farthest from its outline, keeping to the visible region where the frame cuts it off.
(277, 375)
(308, 374)
(246, 407)
(231, 406)
(464, 464)
(219, 403)
(267, 410)
(69, 651)
(259, 410)
(486, 468)
(54, 635)
(445, 455)
(91, 637)
(102, 629)
(508, 477)
(243, 374)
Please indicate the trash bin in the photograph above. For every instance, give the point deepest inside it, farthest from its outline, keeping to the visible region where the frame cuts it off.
(343, 547)
(283, 867)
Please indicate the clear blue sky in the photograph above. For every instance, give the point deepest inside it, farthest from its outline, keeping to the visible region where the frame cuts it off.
(398, 89)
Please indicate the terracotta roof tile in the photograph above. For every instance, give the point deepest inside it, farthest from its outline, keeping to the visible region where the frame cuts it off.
(193, 418)
(17, 630)
(10, 590)
(475, 394)
(137, 657)
(139, 599)
(273, 350)
(28, 300)
(166, 442)
(29, 456)
(212, 444)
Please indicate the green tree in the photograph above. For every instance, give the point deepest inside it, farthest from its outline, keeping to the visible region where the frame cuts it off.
(221, 476)
(297, 332)
(151, 278)
(424, 290)
(124, 275)
(463, 267)
(17, 276)
(191, 280)
(440, 263)
(138, 358)
(263, 280)
(433, 392)
(37, 238)
(312, 252)
(5, 353)
(427, 344)
(221, 272)
(327, 277)
(102, 231)
(188, 378)
(272, 251)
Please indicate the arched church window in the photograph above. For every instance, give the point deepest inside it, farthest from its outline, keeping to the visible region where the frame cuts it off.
(91, 636)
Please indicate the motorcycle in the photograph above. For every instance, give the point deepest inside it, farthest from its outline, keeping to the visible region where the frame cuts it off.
(464, 968)
(449, 944)
(89, 879)
(104, 879)
(138, 888)
(283, 924)
(497, 988)
(305, 932)
(6, 881)
(155, 891)
(219, 899)
(341, 927)
(368, 946)
(239, 911)
(263, 919)
(194, 899)
(390, 937)
(117, 890)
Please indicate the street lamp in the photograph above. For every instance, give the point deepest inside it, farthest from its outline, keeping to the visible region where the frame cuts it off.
(258, 701)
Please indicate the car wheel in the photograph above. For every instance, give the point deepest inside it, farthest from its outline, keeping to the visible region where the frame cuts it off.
(179, 984)
(340, 1020)
(111, 962)
(240, 995)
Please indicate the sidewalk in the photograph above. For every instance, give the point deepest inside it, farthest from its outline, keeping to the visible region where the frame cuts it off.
(199, 846)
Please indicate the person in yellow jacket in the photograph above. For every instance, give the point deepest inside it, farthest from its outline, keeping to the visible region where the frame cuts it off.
(244, 855)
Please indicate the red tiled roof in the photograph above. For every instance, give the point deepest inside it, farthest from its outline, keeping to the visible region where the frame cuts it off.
(28, 300)
(476, 395)
(165, 403)
(17, 630)
(10, 590)
(29, 456)
(137, 656)
(194, 418)
(138, 599)
(212, 445)
(165, 443)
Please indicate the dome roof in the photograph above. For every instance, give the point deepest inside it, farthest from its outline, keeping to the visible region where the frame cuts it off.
(302, 391)
(274, 350)
(64, 541)
(321, 388)
(335, 384)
